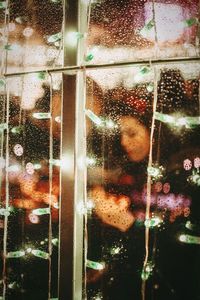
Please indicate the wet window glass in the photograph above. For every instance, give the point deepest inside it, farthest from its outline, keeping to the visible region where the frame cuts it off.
(135, 30)
(143, 156)
(29, 162)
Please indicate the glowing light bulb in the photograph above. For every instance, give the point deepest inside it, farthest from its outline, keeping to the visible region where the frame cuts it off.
(37, 166)
(4, 212)
(197, 162)
(41, 211)
(94, 118)
(147, 271)
(58, 119)
(16, 254)
(115, 250)
(55, 162)
(90, 161)
(153, 222)
(3, 4)
(190, 22)
(29, 250)
(33, 218)
(55, 37)
(41, 254)
(89, 57)
(42, 116)
(189, 239)
(55, 242)
(3, 126)
(17, 129)
(18, 150)
(150, 87)
(95, 265)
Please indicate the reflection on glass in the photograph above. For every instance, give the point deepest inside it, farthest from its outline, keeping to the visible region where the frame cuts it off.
(143, 183)
(133, 30)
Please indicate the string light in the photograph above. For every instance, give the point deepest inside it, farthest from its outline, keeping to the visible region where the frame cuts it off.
(42, 115)
(189, 239)
(94, 118)
(40, 254)
(147, 271)
(3, 4)
(89, 57)
(153, 222)
(4, 212)
(147, 27)
(188, 122)
(41, 211)
(18, 150)
(17, 129)
(54, 37)
(191, 21)
(16, 254)
(95, 265)
(155, 172)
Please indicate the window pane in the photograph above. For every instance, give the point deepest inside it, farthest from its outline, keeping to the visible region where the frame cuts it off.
(31, 34)
(143, 182)
(30, 156)
(135, 30)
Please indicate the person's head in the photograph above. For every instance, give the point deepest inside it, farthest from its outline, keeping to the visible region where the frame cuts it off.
(135, 138)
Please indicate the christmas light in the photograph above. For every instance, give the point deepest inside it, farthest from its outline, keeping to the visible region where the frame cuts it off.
(33, 218)
(94, 118)
(155, 172)
(37, 166)
(194, 178)
(115, 250)
(3, 4)
(55, 37)
(40, 254)
(191, 21)
(41, 211)
(147, 271)
(153, 222)
(95, 265)
(58, 119)
(55, 242)
(147, 27)
(55, 162)
(189, 239)
(197, 162)
(17, 129)
(190, 226)
(176, 121)
(16, 254)
(89, 57)
(150, 87)
(3, 126)
(90, 161)
(4, 212)
(187, 164)
(42, 115)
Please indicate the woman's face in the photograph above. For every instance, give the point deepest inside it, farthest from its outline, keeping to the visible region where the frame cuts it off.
(135, 138)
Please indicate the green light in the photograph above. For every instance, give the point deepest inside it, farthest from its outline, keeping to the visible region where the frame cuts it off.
(17, 129)
(147, 271)
(3, 126)
(145, 70)
(37, 166)
(94, 118)
(16, 254)
(4, 212)
(55, 242)
(153, 222)
(8, 47)
(150, 87)
(3, 4)
(188, 122)
(55, 37)
(2, 82)
(189, 239)
(41, 254)
(41, 75)
(190, 22)
(55, 162)
(95, 265)
(89, 57)
(42, 116)
(41, 211)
